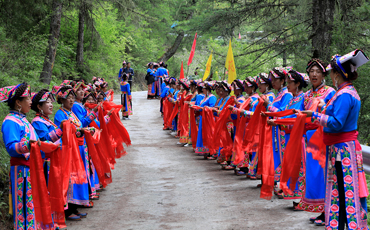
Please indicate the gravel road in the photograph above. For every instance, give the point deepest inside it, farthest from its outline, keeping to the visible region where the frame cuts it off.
(160, 185)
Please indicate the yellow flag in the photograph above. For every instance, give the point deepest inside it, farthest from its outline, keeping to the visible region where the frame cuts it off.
(230, 65)
(208, 67)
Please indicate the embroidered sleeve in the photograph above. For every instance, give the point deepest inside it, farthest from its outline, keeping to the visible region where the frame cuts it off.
(55, 134)
(271, 108)
(248, 114)
(91, 116)
(320, 119)
(79, 132)
(23, 146)
(130, 97)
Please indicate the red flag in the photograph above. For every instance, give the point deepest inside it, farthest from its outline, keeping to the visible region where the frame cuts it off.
(192, 50)
(182, 75)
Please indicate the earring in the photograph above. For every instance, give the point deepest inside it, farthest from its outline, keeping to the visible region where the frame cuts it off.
(323, 82)
(42, 112)
(62, 106)
(19, 109)
(336, 82)
(282, 85)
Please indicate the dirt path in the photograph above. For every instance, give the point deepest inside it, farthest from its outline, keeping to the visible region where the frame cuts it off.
(159, 185)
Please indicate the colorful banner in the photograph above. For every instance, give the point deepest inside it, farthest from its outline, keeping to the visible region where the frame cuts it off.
(182, 75)
(192, 50)
(230, 65)
(208, 67)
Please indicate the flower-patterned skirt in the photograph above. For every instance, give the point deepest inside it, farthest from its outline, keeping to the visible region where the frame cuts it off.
(351, 165)
(20, 195)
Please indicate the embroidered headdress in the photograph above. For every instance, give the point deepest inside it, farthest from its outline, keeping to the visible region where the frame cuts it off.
(7, 93)
(356, 58)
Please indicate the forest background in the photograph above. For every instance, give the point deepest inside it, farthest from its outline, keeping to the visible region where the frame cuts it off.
(43, 42)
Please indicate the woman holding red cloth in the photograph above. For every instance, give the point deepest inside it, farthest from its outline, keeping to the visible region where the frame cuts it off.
(314, 184)
(210, 101)
(78, 194)
(224, 90)
(278, 77)
(18, 134)
(249, 165)
(296, 82)
(86, 118)
(346, 188)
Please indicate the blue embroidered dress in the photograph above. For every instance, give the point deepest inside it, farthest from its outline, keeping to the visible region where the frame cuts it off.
(297, 102)
(209, 101)
(17, 133)
(86, 118)
(47, 131)
(341, 116)
(278, 104)
(314, 185)
(77, 193)
(125, 100)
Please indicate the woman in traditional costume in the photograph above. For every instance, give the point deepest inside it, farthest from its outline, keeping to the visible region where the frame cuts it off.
(296, 82)
(210, 101)
(126, 99)
(184, 136)
(346, 188)
(44, 127)
(224, 90)
(194, 92)
(86, 118)
(78, 194)
(313, 197)
(278, 80)
(150, 80)
(249, 164)
(18, 134)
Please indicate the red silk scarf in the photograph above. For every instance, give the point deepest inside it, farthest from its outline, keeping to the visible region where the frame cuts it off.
(40, 194)
(184, 114)
(221, 134)
(240, 130)
(100, 162)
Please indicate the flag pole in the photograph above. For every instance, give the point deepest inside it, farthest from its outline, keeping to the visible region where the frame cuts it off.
(187, 72)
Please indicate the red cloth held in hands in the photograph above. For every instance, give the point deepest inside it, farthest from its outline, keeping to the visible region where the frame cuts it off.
(40, 195)
(100, 162)
(293, 156)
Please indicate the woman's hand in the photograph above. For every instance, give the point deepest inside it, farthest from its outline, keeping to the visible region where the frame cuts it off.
(307, 112)
(321, 104)
(38, 142)
(96, 108)
(110, 112)
(231, 107)
(271, 122)
(266, 101)
(263, 114)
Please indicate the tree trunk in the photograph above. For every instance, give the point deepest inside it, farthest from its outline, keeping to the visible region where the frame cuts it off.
(322, 26)
(47, 69)
(171, 51)
(80, 43)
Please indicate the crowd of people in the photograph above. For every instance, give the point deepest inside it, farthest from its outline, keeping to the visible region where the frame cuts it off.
(60, 164)
(156, 73)
(301, 145)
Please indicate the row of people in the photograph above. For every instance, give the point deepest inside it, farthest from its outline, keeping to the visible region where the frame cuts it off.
(301, 145)
(60, 164)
